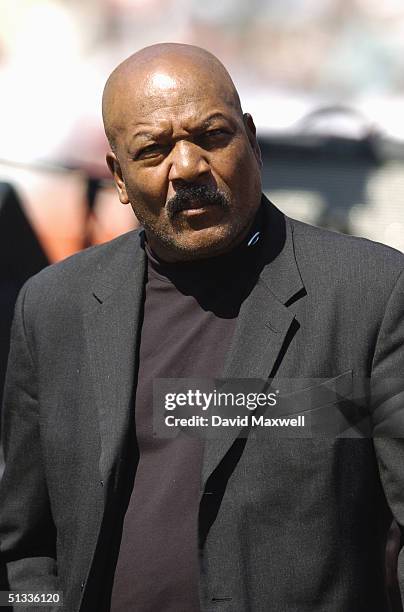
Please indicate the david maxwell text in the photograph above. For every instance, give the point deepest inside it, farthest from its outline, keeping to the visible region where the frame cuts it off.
(238, 421)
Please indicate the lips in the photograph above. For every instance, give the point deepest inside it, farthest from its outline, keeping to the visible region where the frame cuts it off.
(195, 205)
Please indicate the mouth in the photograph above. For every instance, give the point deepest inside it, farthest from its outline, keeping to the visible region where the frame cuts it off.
(196, 207)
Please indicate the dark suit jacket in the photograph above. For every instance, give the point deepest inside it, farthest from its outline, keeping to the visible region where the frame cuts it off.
(286, 525)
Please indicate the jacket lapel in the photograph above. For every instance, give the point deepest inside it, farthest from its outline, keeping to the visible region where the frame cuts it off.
(264, 321)
(112, 331)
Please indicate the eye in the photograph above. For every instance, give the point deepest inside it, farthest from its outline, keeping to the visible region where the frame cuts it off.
(215, 133)
(151, 152)
(218, 137)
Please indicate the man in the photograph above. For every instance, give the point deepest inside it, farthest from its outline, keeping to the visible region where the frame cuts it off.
(220, 284)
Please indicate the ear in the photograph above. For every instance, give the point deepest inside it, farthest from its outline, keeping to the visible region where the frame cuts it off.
(252, 136)
(116, 171)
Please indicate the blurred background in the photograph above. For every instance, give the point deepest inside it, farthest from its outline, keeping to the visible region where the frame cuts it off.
(324, 82)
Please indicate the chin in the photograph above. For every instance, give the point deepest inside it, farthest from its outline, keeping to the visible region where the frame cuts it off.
(206, 243)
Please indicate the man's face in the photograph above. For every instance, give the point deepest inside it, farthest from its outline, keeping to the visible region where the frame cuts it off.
(189, 164)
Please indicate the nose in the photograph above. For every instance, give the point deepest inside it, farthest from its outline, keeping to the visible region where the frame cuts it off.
(188, 163)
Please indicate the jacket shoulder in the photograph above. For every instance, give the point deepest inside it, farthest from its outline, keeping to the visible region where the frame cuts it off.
(69, 282)
(81, 267)
(340, 256)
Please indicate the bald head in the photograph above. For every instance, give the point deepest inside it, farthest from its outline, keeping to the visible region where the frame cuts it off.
(162, 69)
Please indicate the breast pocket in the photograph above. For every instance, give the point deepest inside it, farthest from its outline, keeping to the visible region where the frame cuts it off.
(326, 407)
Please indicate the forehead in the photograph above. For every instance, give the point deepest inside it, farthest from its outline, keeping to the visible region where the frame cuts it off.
(162, 100)
(189, 115)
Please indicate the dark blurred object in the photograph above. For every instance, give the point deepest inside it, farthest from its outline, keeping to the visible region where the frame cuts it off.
(392, 550)
(21, 256)
(338, 169)
(333, 153)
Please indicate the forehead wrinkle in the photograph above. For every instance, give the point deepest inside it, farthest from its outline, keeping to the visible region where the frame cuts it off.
(147, 110)
(194, 124)
(151, 121)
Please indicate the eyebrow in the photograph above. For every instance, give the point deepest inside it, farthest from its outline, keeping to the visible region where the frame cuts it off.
(144, 134)
(148, 134)
(211, 118)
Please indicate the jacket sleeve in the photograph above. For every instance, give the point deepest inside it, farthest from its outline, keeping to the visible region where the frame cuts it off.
(27, 531)
(387, 389)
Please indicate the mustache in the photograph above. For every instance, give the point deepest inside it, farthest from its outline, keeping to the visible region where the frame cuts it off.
(201, 193)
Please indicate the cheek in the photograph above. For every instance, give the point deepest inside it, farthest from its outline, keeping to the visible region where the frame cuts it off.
(147, 190)
(240, 172)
